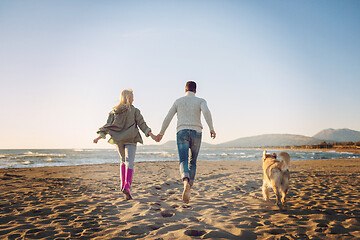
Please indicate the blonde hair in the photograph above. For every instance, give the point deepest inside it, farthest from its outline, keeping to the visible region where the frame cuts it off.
(125, 98)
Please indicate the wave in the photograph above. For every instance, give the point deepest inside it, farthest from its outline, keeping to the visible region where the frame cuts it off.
(224, 154)
(92, 150)
(347, 153)
(26, 162)
(34, 155)
(49, 159)
(78, 150)
(156, 153)
(210, 154)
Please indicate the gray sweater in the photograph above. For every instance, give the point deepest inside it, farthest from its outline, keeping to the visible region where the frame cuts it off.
(188, 109)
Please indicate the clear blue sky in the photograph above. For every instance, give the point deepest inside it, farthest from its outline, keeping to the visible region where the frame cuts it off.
(263, 66)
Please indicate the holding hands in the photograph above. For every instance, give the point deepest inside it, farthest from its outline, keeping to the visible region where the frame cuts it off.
(156, 138)
(152, 136)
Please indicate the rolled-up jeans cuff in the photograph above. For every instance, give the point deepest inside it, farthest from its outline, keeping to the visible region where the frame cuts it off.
(185, 175)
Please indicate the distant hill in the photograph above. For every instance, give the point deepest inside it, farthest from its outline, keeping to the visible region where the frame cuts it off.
(271, 140)
(338, 135)
(266, 140)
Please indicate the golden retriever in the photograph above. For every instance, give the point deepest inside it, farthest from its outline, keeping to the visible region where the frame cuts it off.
(276, 176)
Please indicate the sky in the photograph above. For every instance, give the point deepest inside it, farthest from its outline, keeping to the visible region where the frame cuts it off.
(262, 66)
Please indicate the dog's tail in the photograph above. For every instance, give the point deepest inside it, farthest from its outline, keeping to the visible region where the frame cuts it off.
(285, 163)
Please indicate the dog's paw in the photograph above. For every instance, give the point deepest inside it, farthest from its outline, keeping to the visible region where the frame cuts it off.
(283, 208)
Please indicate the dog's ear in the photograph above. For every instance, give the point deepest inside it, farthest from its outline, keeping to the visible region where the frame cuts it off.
(274, 155)
(264, 155)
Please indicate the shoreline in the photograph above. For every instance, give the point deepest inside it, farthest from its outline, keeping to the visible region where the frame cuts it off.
(172, 161)
(85, 202)
(339, 150)
(43, 158)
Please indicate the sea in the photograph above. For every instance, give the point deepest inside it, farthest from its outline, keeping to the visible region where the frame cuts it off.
(24, 158)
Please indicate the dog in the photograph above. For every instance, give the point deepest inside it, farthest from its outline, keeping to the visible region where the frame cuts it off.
(276, 176)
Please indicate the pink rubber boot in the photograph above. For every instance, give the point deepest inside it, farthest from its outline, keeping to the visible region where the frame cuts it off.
(128, 180)
(122, 176)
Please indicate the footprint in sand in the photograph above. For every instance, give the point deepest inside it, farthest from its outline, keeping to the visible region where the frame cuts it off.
(167, 213)
(337, 229)
(195, 219)
(186, 206)
(138, 230)
(276, 231)
(40, 233)
(195, 232)
(170, 192)
(155, 206)
(14, 236)
(155, 209)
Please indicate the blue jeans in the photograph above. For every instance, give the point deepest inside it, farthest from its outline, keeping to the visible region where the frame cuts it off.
(188, 139)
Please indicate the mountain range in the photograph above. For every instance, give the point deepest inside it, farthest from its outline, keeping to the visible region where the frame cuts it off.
(338, 135)
(328, 135)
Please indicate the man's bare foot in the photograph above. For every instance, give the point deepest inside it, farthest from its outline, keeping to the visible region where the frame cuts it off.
(186, 192)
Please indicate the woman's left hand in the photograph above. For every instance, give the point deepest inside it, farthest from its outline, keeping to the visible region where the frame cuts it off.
(96, 139)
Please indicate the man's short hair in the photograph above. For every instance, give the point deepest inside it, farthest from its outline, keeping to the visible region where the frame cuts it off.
(191, 86)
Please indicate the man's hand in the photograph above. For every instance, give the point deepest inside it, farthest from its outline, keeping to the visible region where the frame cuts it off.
(213, 134)
(159, 137)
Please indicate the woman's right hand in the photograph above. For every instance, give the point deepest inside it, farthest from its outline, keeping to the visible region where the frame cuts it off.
(155, 138)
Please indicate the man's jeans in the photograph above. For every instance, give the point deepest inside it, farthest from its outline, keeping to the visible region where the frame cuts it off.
(188, 139)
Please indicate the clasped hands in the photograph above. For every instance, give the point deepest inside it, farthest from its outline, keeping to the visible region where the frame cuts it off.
(156, 138)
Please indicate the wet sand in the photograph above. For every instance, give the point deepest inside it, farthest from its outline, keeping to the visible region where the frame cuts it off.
(84, 202)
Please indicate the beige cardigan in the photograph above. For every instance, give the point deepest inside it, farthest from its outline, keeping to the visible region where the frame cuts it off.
(122, 125)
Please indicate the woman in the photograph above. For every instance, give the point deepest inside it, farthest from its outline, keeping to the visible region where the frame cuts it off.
(122, 125)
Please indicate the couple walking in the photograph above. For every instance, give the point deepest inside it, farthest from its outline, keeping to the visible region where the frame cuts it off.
(123, 123)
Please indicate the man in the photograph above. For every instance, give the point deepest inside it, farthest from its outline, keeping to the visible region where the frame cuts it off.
(189, 128)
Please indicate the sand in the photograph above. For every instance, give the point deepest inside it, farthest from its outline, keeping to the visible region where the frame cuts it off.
(84, 202)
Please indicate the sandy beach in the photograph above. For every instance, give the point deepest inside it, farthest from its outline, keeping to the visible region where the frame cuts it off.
(84, 202)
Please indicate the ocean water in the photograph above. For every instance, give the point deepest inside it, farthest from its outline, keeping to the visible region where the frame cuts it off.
(22, 158)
